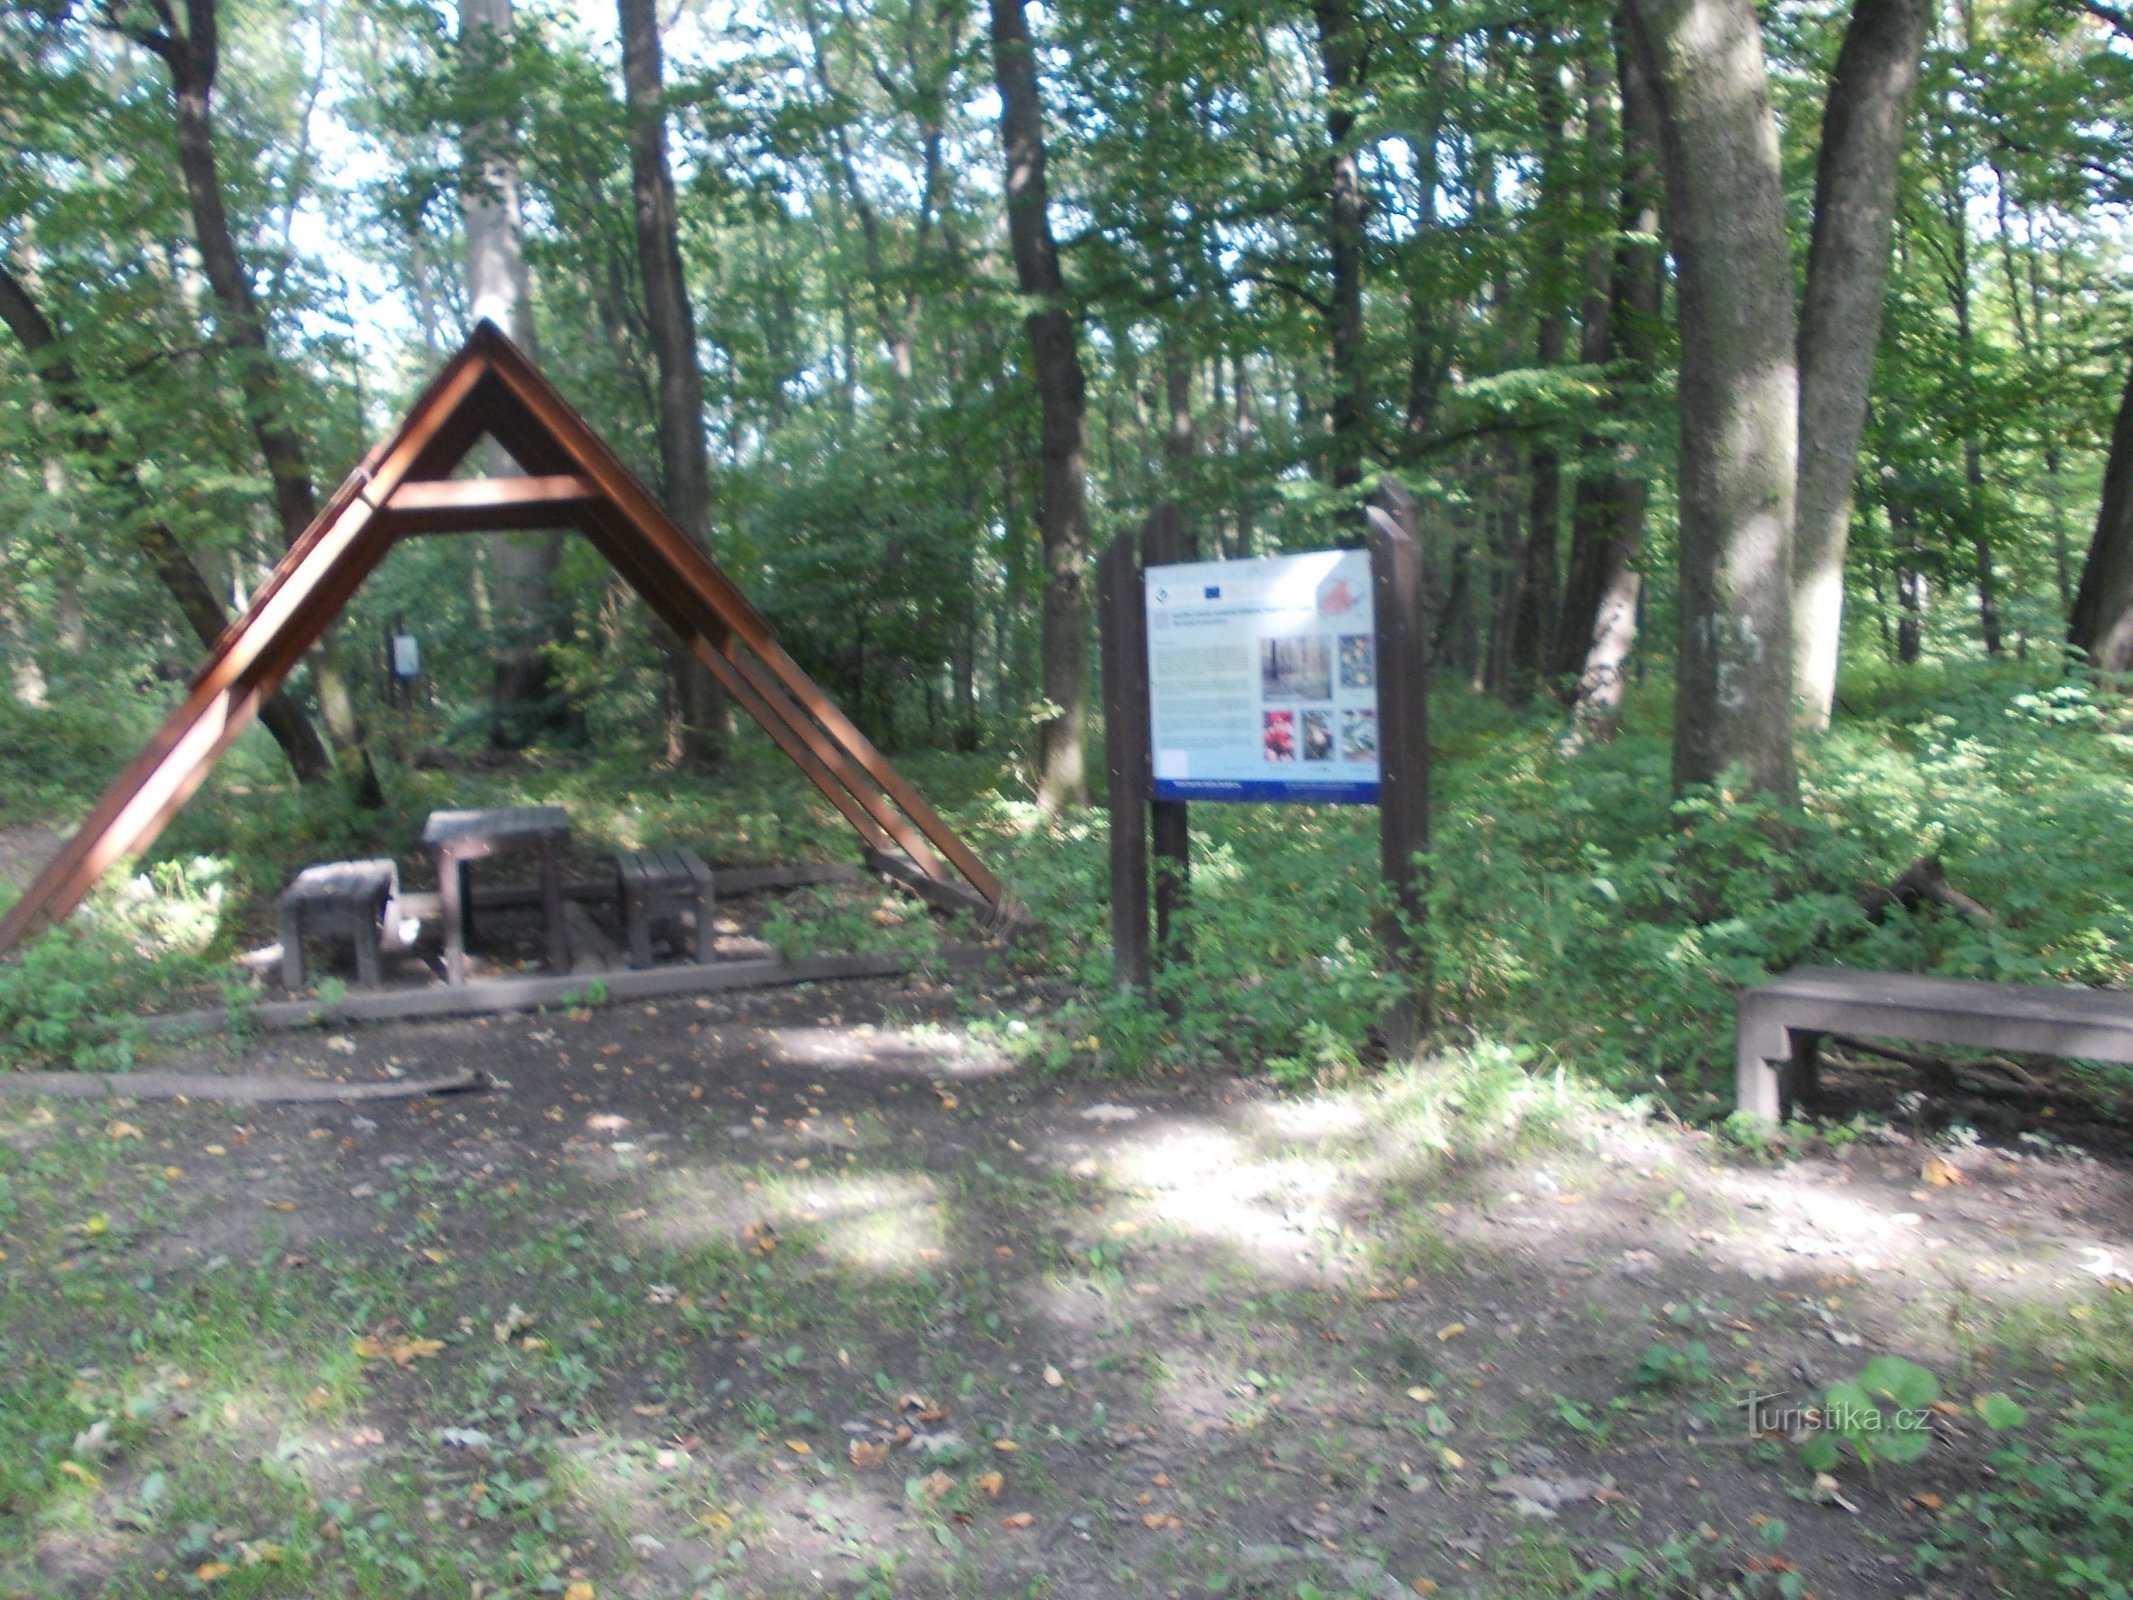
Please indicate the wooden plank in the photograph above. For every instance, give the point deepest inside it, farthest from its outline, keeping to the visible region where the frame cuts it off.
(1166, 539)
(494, 996)
(1403, 749)
(732, 881)
(1778, 1023)
(1122, 624)
(482, 505)
(235, 1088)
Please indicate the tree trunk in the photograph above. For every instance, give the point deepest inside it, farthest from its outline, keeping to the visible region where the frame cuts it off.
(1739, 390)
(2102, 624)
(1533, 619)
(193, 57)
(195, 601)
(1618, 491)
(1341, 52)
(500, 291)
(683, 449)
(1863, 124)
(1063, 496)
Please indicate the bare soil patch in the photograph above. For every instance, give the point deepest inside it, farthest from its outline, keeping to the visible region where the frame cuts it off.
(818, 1292)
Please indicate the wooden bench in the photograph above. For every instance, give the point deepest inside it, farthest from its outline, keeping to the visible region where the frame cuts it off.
(660, 883)
(356, 900)
(1781, 1024)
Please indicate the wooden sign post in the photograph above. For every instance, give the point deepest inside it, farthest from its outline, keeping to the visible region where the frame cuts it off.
(1401, 667)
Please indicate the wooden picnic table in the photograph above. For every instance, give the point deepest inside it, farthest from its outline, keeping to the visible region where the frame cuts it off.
(457, 839)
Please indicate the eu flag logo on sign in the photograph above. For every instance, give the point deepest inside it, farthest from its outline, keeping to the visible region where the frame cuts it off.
(1214, 591)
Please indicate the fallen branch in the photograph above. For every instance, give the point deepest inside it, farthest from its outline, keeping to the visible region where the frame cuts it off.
(1924, 881)
(207, 1086)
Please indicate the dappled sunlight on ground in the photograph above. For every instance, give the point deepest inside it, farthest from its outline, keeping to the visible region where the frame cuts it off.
(797, 1308)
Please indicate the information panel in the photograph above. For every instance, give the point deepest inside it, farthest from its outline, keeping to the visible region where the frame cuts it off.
(1262, 679)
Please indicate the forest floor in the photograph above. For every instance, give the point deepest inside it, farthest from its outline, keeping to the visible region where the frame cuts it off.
(815, 1292)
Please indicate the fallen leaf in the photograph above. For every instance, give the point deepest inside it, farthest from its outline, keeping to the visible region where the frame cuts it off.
(174, 1173)
(992, 1482)
(578, 1591)
(516, 1320)
(1421, 1397)
(401, 1352)
(284, 1206)
(1423, 1585)
(1019, 1521)
(209, 1571)
(94, 1227)
(1940, 1172)
(123, 1130)
(1451, 1458)
(80, 1473)
(341, 1044)
(1053, 1377)
(799, 1447)
(868, 1452)
(936, 1484)
(1451, 1330)
(1008, 1446)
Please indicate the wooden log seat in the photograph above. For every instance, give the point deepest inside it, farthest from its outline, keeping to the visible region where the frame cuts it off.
(355, 900)
(1781, 1023)
(663, 883)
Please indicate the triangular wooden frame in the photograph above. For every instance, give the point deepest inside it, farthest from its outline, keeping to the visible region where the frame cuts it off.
(404, 487)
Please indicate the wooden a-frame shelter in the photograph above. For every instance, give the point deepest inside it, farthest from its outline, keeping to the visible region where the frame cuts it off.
(405, 487)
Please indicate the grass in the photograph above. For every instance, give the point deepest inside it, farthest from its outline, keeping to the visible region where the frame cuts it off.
(667, 1339)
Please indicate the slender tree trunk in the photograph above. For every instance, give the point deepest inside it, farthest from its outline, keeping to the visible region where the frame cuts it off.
(1533, 618)
(2102, 625)
(683, 450)
(1062, 393)
(193, 57)
(500, 289)
(1863, 122)
(196, 602)
(1739, 390)
(1341, 53)
(1618, 490)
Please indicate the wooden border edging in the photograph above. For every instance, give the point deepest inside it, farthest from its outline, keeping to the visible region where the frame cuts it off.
(493, 996)
(205, 1086)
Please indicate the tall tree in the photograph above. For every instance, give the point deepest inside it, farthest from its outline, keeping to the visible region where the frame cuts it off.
(1062, 394)
(1343, 56)
(72, 400)
(684, 470)
(501, 290)
(1600, 600)
(2102, 623)
(1863, 120)
(1739, 389)
(192, 52)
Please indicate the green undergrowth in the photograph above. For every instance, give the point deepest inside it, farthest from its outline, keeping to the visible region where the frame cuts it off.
(1577, 910)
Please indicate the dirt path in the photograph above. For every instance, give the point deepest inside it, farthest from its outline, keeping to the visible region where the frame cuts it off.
(818, 1293)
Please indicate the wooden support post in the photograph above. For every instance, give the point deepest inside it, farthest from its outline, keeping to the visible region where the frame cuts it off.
(1123, 627)
(1403, 749)
(1167, 539)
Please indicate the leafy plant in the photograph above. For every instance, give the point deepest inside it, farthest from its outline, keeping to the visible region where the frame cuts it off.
(1884, 1414)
